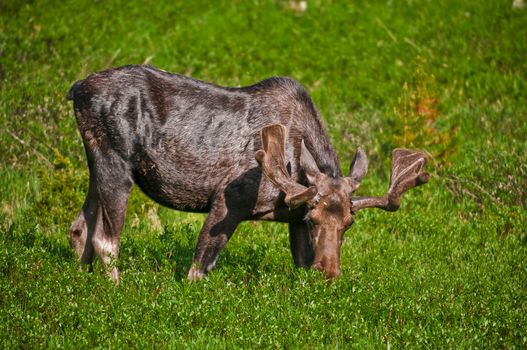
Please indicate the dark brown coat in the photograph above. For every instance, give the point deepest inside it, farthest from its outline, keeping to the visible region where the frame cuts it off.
(252, 153)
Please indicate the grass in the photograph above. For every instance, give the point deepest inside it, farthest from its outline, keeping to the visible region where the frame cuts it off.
(449, 270)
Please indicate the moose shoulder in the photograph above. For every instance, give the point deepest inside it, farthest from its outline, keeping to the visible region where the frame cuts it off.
(252, 153)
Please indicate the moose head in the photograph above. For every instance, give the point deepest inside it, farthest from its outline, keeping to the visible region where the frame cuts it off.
(329, 202)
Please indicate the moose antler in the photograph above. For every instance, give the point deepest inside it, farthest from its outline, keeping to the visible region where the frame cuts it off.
(406, 174)
(272, 161)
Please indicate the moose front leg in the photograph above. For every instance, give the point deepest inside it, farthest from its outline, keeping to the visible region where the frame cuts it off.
(214, 235)
(301, 247)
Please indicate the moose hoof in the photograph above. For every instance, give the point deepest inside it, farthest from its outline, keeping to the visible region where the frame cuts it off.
(194, 274)
(114, 275)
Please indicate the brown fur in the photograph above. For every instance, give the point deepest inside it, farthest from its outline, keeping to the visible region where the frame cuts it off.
(253, 153)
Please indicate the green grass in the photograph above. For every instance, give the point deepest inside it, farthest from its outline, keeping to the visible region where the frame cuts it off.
(449, 270)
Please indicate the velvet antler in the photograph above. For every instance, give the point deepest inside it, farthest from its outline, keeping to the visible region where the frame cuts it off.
(406, 174)
(272, 161)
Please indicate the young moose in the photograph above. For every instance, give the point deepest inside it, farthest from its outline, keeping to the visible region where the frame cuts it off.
(252, 153)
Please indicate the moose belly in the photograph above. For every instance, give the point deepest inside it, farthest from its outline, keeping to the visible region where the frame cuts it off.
(175, 184)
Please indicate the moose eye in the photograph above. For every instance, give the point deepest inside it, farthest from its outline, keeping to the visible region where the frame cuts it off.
(313, 217)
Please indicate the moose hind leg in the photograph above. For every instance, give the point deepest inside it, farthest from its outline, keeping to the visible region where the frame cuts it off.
(81, 231)
(113, 185)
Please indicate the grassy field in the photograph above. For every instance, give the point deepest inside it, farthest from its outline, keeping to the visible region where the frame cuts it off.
(449, 270)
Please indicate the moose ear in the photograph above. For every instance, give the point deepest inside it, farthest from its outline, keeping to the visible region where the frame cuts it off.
(358, 167)
(308, 164)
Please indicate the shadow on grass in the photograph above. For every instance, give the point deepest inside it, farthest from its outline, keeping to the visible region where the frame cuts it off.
(28, 236)
(172, 250)
(249, 261)
(176, 246)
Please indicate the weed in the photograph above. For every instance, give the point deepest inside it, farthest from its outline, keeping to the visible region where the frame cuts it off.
(417, 119)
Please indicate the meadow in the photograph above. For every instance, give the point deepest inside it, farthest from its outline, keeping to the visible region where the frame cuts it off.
(448, 270)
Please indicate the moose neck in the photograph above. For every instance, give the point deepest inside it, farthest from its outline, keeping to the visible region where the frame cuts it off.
(318, 143)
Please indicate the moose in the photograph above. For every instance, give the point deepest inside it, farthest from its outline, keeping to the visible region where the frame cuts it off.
(258, 152)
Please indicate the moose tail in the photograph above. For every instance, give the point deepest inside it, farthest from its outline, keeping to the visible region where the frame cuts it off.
(73, 89)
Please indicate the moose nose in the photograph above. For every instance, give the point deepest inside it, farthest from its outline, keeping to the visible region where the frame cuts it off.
(328, 267)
